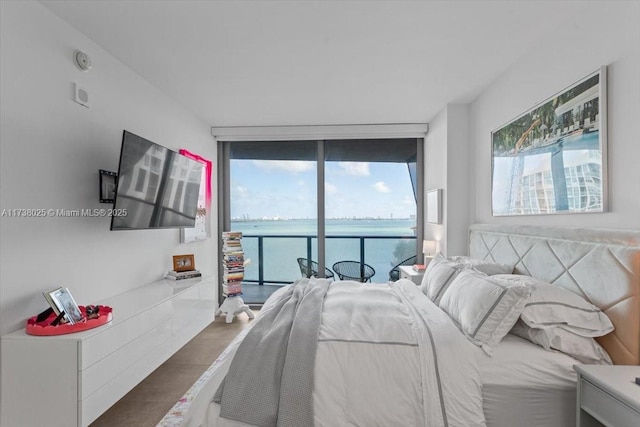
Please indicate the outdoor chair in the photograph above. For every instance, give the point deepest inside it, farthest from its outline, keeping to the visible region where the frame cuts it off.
(354, 270)
(310, 269)
(394, 273)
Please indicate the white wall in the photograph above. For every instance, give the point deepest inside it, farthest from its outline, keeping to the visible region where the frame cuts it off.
(435, 175)
(457, 198)
(447, 167)
(51, 149)
(606, 33)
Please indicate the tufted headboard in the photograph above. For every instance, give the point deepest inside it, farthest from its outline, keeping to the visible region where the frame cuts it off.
(603, 266)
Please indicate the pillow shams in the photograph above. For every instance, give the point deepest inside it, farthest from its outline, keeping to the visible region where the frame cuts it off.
(552, 306)
(437, 277)
(483, 308)
(583, 349)
(441, 271)
(487, 267)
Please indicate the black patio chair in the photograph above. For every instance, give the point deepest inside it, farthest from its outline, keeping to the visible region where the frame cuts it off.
(394, 273)
(310, 269)
(354, 270)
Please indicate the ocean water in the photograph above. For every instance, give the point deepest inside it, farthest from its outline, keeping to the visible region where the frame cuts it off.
(386, 242)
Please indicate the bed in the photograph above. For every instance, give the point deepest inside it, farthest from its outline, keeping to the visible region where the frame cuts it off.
(371, 372)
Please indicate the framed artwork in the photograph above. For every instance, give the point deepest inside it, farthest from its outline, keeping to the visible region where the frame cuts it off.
(108, 183)
(553, 158)
(202, 229)
(184, 263)
(434, 209)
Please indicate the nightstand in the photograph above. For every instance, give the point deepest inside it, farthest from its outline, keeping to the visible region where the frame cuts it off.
(407, 272)
(608, 395)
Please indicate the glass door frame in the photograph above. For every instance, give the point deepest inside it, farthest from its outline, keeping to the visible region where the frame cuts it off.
(225, 135)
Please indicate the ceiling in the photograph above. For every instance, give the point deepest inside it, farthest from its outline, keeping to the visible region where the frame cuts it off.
(250, 63)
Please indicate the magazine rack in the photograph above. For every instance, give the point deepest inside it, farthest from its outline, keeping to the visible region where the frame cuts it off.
(44, 328)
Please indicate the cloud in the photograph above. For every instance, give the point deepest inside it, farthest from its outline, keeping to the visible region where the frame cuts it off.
(330, 188)
(241, 191)
(355, 168)
(293, 166)
(381, 187)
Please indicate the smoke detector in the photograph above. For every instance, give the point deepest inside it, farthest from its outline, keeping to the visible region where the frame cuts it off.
(82, 60)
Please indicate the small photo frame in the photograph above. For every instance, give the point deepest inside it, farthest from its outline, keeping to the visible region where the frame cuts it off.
(64, 302)
(108, 184)
(184, 262)
(434, 209)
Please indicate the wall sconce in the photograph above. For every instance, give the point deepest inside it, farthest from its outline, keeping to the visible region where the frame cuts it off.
(429, 248)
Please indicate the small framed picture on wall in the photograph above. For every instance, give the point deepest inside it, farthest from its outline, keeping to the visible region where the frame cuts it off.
(434, 210)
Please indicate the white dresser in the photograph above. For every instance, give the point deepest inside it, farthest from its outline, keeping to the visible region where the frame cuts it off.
(70, 380)
(608, 395)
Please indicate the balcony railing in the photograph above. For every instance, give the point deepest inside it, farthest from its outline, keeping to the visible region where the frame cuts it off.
(273, 257)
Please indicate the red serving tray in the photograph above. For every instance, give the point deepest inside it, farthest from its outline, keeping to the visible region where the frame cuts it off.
(44, 328)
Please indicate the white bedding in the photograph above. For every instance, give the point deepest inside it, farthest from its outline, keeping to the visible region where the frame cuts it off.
(414, 349)
(526, 385)
(523, 384)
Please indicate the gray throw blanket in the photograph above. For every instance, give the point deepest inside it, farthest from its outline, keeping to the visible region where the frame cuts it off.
(270, 379)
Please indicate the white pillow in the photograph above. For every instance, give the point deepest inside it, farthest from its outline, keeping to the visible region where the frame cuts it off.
(438, 275)
(483, 308)
(553, 306)
(583, 349)
(484, 266)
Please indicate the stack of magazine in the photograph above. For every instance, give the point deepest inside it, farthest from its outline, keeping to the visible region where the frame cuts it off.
(61, 301)
(232, 264)
(179, 275)
(420, 268)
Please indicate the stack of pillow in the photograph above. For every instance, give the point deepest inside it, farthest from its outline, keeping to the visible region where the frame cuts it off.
(486, 302)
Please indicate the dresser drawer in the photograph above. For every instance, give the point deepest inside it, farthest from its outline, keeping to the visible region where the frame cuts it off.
(115, 336)
(605, 407)
(109, 367)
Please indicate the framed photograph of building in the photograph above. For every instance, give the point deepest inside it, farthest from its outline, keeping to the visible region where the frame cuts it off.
(553, 158)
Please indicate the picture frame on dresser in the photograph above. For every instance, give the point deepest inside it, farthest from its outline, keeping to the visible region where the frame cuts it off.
(61, 300)
(552, 159)
(184, 263)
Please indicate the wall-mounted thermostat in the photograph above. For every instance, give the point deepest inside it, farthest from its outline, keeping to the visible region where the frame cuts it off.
(81, 95)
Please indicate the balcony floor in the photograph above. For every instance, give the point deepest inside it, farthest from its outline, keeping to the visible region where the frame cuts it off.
(252, 293)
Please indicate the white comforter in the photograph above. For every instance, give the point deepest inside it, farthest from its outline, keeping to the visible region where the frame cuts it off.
(388, 356)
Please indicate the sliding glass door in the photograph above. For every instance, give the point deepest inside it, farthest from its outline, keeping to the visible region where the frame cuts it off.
(370, 205)
(357, 203)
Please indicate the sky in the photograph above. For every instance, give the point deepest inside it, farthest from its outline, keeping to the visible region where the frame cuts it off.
(287, 189)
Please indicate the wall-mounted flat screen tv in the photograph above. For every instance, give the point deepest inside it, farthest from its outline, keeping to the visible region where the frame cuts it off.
(157, 187)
